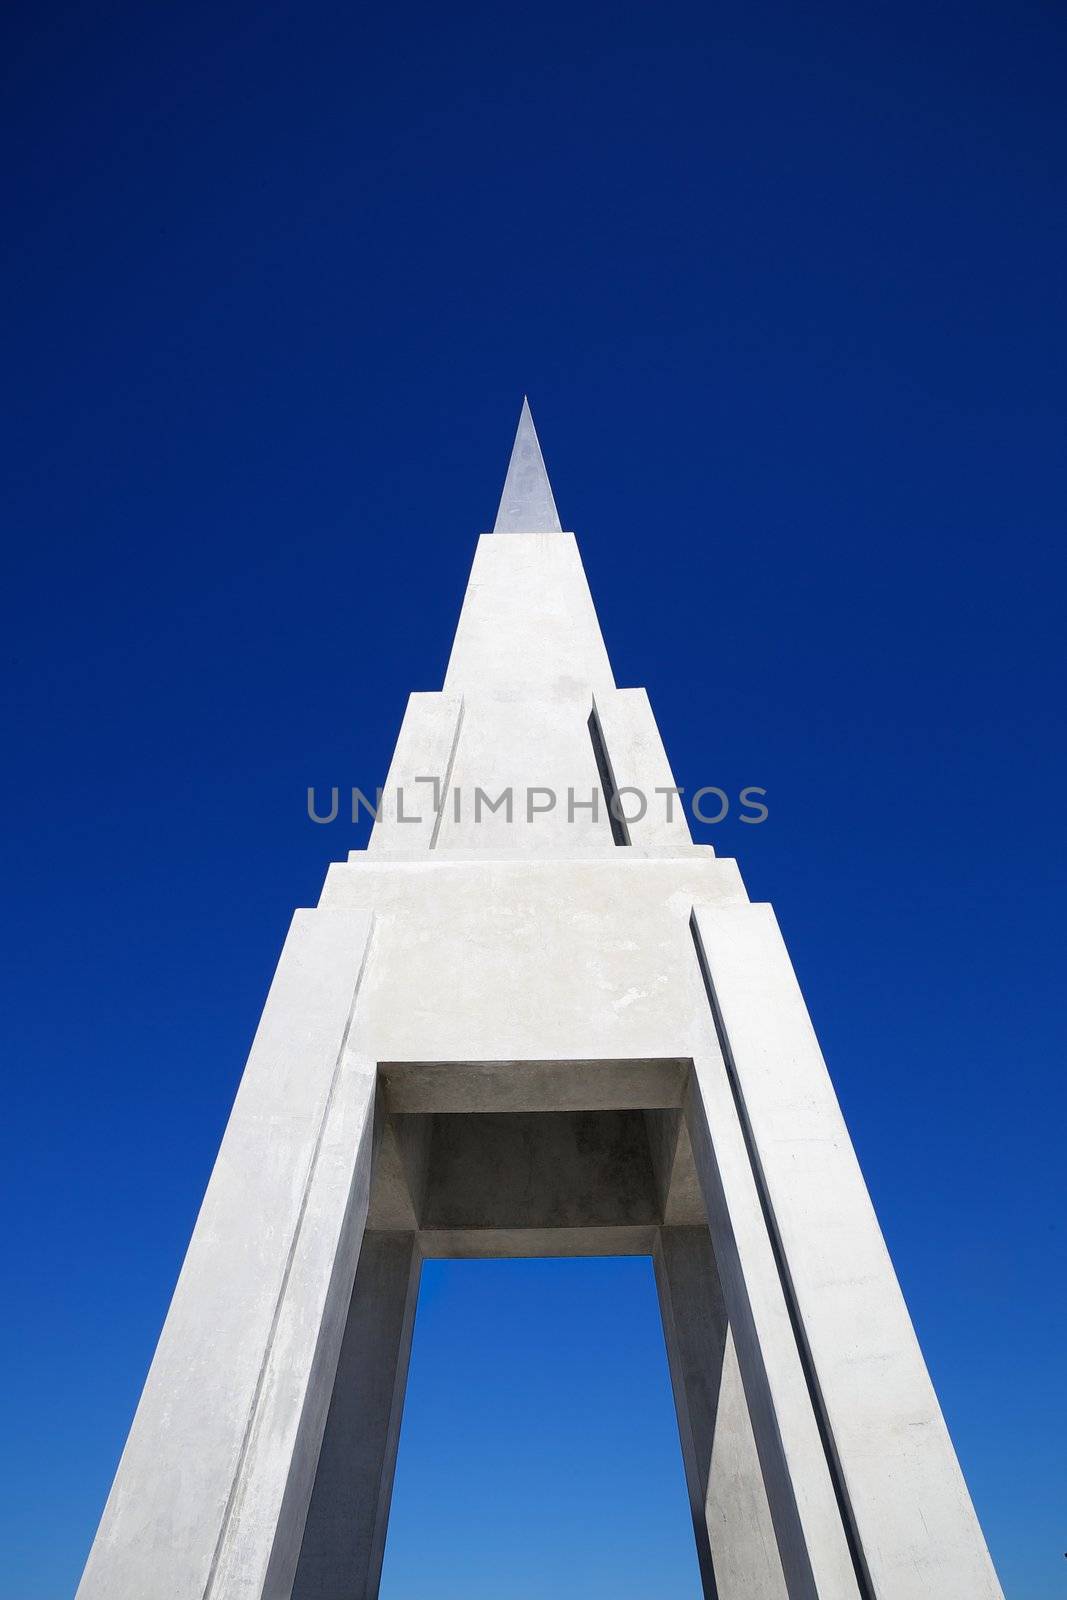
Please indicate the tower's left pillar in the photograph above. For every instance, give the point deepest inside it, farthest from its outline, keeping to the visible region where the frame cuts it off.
(211, 1493)
(344, 1537)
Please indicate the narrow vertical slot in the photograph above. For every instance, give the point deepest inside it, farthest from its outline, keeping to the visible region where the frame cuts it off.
(619, 831)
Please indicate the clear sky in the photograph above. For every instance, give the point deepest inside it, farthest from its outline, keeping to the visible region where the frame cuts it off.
(785, 284)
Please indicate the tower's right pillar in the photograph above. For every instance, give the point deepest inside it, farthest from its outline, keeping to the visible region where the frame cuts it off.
(913, 1526)
(735, 1539)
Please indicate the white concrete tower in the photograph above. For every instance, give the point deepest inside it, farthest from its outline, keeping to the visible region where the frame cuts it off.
(525, 1030)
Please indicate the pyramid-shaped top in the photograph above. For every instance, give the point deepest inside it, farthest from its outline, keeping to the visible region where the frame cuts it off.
(527, 505)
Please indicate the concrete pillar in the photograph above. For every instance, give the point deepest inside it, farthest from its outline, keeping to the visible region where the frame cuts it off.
(812, 1543)
(637, 760)
(736, 1544)
(208, 1490)
(344, 1539)
(914, 1526)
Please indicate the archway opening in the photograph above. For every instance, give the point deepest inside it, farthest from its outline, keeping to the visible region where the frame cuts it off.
(539, 1449)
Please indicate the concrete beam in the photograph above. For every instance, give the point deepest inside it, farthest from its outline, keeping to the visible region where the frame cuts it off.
(563, 1085)
(540, 1170)
(487, 1243)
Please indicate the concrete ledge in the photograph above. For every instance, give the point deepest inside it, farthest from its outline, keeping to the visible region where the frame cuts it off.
(439, 1243)
(475, 1086)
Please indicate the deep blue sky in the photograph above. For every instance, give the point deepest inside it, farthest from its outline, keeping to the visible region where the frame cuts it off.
(786, 286)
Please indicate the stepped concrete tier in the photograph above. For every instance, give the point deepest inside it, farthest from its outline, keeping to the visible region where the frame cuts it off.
(535, 1030)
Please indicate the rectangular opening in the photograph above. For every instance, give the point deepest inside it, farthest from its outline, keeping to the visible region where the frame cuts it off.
(539, 1448)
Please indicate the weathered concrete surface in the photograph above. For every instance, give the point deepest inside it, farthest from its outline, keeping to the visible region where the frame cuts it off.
(549, 1169)
(677, 1181)
(513, 1086)
(401, 1161)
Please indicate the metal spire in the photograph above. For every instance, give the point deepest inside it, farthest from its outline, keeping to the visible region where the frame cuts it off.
(527, 506)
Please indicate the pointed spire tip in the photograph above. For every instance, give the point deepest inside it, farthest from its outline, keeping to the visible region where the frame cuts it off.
(527, 504)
